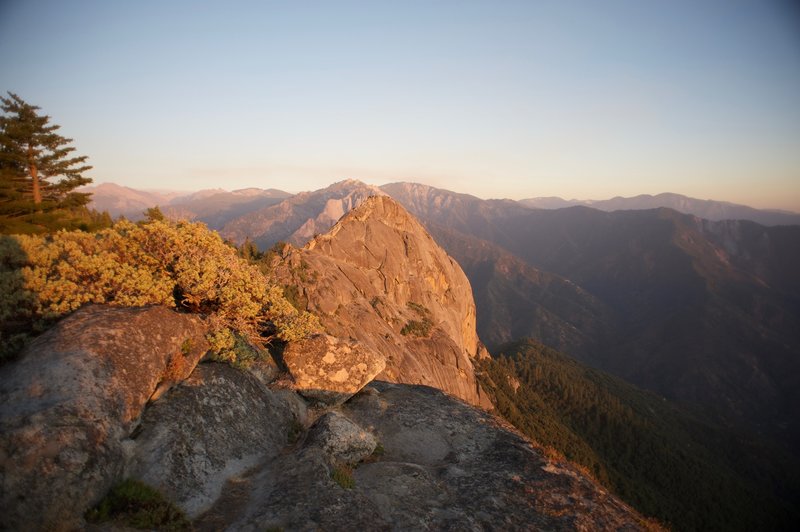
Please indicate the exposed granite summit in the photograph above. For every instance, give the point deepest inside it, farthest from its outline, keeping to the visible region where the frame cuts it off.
(378, 277)
(444, 465)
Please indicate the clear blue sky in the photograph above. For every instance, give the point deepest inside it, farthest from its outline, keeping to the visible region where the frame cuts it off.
(497, 98)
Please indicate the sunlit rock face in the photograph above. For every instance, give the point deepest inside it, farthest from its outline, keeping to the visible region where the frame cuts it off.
(379, 278)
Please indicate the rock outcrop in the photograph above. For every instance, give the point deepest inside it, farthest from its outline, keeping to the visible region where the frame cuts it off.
(77, 416)
(75, 394)
(341, 439)
(379, 278)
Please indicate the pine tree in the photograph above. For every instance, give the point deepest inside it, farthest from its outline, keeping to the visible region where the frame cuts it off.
(38, 175)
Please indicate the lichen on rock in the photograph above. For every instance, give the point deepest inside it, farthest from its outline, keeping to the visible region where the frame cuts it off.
(328, 370)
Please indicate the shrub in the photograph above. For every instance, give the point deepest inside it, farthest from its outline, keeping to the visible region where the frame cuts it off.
(343, 475)
(417, 328)
(230, 347)
(419, 309)
(137, 505)
(181, 265)
(295, 430)
(379, 450)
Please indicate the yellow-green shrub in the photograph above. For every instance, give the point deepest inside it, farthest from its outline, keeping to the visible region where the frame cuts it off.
(182, 265)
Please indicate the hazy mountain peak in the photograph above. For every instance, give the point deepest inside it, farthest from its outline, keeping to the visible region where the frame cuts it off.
(349, 186)
(253, 191)
(299, 218)
(120, 200)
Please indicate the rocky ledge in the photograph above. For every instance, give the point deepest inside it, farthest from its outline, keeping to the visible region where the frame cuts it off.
(236, 451)
(437, 464)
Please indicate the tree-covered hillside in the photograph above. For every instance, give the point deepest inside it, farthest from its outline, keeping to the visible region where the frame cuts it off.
(663, 460)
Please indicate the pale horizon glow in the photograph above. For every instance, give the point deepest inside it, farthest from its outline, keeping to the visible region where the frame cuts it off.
(515, 100)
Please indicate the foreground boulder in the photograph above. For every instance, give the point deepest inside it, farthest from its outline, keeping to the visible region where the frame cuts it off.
(75, 394)
(216, 425)
(341, 439)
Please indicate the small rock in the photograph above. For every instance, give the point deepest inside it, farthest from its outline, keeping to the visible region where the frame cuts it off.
(341, 439)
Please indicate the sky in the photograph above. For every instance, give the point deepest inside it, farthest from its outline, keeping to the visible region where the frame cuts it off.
(577, 99)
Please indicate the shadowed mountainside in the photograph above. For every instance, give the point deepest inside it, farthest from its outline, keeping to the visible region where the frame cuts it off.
(516, 300)
(667, 461)
(703, 312)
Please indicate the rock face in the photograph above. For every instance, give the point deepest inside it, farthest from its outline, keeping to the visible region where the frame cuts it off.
(216, 425)
(378, 277)
(329, 370)
(77, 391)
(444, 466)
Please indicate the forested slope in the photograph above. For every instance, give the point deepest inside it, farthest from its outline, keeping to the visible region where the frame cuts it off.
(665, 461)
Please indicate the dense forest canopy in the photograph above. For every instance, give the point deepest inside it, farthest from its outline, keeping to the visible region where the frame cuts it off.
(662, 459)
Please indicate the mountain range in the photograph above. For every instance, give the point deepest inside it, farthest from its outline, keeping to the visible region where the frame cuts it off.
(656, 348)
(205, 204)
(703, 312)
(707, 209)
(215, 207)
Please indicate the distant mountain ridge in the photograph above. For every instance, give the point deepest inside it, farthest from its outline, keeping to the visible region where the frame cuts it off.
(298, 218)
(125, 201)
(129, 202)
(214, 207)
(700, 311)
(706, 209)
